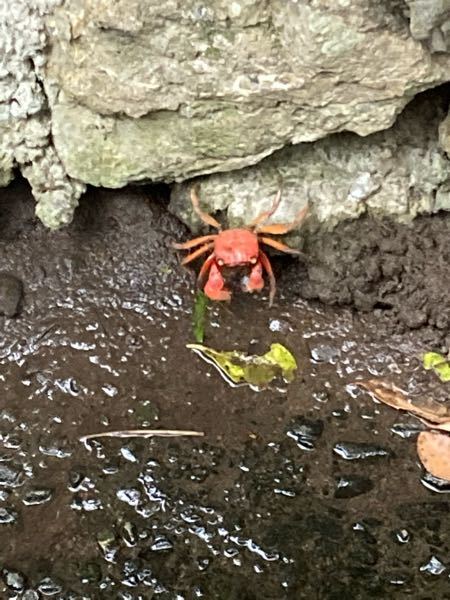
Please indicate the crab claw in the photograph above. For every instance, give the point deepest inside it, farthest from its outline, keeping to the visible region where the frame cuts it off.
(215, 286)
(254, 282)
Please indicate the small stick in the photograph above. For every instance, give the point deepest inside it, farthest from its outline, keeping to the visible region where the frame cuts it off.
(143, 433)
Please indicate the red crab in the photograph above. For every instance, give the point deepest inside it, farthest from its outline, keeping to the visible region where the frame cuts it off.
(237, 248)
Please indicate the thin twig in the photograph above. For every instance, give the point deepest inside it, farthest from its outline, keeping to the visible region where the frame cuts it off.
(143, 433)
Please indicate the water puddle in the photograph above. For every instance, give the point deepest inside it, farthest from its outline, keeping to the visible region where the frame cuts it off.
(310, 490)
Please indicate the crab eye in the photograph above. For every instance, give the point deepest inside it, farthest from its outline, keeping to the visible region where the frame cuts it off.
(220, 262)
(253, 260)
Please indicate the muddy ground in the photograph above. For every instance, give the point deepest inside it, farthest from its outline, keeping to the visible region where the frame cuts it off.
(309, 490)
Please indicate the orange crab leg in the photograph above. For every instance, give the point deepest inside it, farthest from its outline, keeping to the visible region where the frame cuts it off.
(266, 214)
(268, 268)
(194, 242)
(205, 269)
(204, 216)
(278, 245)
(193, 255)
(280, 228)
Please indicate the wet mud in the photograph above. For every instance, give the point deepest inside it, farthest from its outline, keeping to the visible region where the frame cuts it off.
(309, 490)
(399, 272)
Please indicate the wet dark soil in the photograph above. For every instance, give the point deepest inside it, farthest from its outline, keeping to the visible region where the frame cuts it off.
(309, 490)
(399, 272)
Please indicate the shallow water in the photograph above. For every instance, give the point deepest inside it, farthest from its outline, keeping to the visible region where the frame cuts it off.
(309, 490)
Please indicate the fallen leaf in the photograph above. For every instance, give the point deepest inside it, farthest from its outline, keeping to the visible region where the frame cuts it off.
(279, 355)
(199, 317)
(390, 394)
(239, 368)
(445, 426)
(439, 364)
(433, 449)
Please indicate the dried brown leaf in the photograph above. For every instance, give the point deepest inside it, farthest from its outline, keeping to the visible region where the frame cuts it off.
(390, 394)
(433, 449)
(440, 426)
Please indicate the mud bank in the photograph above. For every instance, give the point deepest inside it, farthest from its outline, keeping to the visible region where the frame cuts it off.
(310, 490)
(401, 273)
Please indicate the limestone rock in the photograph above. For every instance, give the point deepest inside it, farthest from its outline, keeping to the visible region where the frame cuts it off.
(25, 129)
(430, 20)
(145, 90)
(444, 134)
(399, 172)
(107, 93)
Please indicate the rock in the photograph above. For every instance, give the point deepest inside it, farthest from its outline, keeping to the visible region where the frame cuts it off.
(400, 172)
(11, 290)
(430, 20)
(136, 90)
(6, 165)
(199, 89)
(444, 134)
(25, 122)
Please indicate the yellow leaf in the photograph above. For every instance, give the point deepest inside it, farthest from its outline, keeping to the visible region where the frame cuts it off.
(257, 371)
(439, 364)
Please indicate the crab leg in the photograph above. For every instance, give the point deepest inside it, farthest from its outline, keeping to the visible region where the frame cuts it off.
(266, 214)
(193, 255)
(279, 245)
(268, 268)
(204, 216)
(194, 242)
(205, 269)
(280, 228)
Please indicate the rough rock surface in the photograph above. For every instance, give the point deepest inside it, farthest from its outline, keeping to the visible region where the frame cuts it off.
(430, 20)
(110, 93)
(444, 134)
(169, 91)
(25, 124)
(399, 172)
